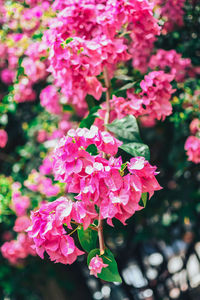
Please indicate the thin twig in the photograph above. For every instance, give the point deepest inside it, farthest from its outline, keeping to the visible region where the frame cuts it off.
(107, 84)
(106, 121)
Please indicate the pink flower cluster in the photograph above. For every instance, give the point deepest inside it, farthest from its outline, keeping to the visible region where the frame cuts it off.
(88, 35)
(96, 265)
(56, 132)
(39, 183)
(178, 66)
(34, 69)
(144, 29)
(153, 103)
(74, 64)
(8, 64)
(46, 167)
(16, 45)
(172, 12)
(7, 76)
(21, 224)
(48, 233)
(23, 91)
(192, 144)
(98, 181)
(156, 94)
(195, 126)
(19, 203)
(3, 138)
(49, 98)
(17, 250)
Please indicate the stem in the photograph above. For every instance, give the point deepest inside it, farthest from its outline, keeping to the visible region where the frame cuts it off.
(73, 230)
(107, 84)
(106, 121)
(100, 235)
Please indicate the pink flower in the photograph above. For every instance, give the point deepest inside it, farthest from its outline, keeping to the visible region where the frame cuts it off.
(36, 50)
(48, 233)
(192, 146)
(3, 138)
(152, 103)
(17, 250)
(96, 265)
(71, 157)
(156, 93)
(48, 189)
(144, 27)
(178, 66)
(94, 87)
(23, 91)
(140, 167)
(7, 76)
(42, 136)
(20, 203)
(195, 126)
(46, 167)
(50, 99)
(147, 121)
(42, 184)
(82, 40)
(98, 181)
(21, 224)
(34, 69)
(172, 12)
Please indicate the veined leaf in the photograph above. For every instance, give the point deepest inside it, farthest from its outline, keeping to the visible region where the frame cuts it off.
(87, 238)
(109, 273)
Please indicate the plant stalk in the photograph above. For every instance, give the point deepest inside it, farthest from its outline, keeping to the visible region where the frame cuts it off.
(106, 121)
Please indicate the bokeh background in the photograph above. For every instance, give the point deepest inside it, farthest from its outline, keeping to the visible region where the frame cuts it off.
(159, 251)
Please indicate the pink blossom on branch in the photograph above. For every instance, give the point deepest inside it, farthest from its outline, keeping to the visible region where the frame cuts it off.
(98, 181)
(195, 126)
(17, 250)
(192, 146)
(96, 265)
(144, 31)
(21, 224)
(86, 36)
(156, 94)
(152, 103)
(48, 233)
(39, 183)
(172, 13)
(3, 138)
(178, 66)
(50, 99)
(19, 203)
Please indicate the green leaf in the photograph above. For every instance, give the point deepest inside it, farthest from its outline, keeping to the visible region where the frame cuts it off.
(136, 149)
(87, 238)
(92, 149)
(124, 77)
(67, 107)
(127, 86)
(109, 273)
(144, 198)
(37, 36)
(69, 40)
(126, 129)
(89, 120)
